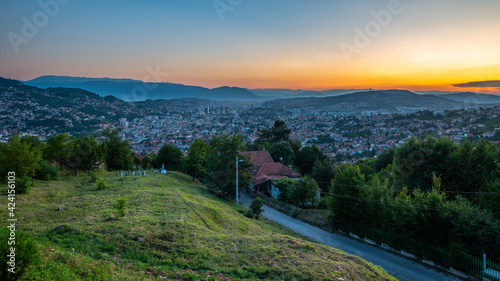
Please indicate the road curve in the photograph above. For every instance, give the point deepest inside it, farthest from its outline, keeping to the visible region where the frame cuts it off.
(397, 266)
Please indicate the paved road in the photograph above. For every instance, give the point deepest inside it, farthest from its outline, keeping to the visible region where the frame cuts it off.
(397, 266)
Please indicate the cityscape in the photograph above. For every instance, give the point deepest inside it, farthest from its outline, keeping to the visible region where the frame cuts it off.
(250, 140)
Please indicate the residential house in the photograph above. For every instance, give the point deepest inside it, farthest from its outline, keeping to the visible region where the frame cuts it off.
(265, 172)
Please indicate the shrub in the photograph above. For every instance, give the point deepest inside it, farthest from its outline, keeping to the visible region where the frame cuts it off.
(46, 171)
(248, 214)
(101, 185)
(26, 254)
(93, 176)
(121, 205)
(256, 207)
(23, 184)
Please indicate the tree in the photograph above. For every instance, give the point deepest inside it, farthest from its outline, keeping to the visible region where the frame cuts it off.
(57, 149)
(376, 201)
(284, 185)
(416, 161)
(46, 171)
(324, 172)
(86, 154)
(118, 153)
(306, 157)
(147, 160)
(304, 192)
(221, 164)
(256, 207)
(346, 193)
(34, 142)
(21, 158)
(170, 156)
(282, 152)
(384, 159)
(472, 167)
(487, 201)
(301, 192)
(196, 160)
(278, 133)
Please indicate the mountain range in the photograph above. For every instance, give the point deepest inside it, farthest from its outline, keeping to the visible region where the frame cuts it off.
(386, 101)
(135, 90)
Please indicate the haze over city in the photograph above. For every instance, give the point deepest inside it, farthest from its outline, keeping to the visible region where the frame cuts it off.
(415, 45)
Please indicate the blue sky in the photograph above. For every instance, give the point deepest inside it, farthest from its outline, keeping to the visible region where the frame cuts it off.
(429, 44)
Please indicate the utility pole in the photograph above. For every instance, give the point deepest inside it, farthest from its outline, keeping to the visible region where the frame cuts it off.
(236, 180)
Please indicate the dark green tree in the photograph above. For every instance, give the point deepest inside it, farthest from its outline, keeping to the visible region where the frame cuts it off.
(21, 158)
(472, 167)
(296, 146)
(221, 164)
(147, 161)
(324, 172)
(57, 149)
(304, 192)
(118, 152)
(284, 185)
(196, 160)
(282, 152)
(34, 142)
(46, 171)
(256, 207)
(306, 157)
(170, 156)
(416, 161)
(86, 154)
(346, 192)
(384, 159)
(278, 133)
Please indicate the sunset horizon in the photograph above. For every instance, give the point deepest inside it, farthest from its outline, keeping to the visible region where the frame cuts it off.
(413, 45)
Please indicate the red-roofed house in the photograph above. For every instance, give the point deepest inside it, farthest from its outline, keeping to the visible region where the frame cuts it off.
(264, 171)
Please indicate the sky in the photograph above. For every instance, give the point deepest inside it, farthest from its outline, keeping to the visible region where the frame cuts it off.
(295, 44)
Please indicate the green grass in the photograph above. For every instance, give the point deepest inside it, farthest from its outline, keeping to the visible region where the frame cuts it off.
(188, 234)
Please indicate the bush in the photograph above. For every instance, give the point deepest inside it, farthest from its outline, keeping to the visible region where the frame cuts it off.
(256, 207)
(23, 184)
(249, 214)
(46, 171)
(101, 185)
(25, 250)
(121, 206)
(93, 176)
(324, 202)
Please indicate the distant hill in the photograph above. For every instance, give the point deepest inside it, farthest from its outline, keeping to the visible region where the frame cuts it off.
(287, 93)
(134, 90)
(74, 110)
(59, 96)
(386, 101)
(469, 97)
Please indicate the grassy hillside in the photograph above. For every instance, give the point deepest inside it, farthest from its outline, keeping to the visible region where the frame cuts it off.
(188, 234)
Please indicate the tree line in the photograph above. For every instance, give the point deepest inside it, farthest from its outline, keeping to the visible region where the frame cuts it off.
(432, 191)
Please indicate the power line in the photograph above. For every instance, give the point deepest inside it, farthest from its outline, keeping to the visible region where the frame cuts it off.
(410, 190)
(411, 205)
